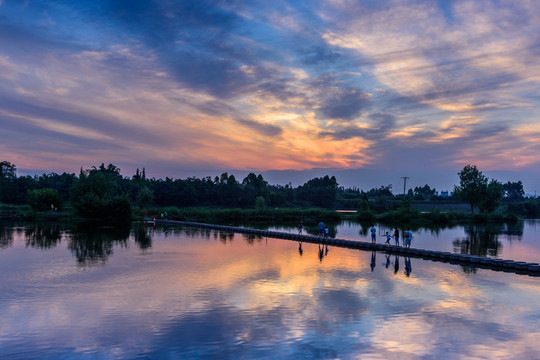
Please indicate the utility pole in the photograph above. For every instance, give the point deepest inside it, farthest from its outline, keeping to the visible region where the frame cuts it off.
(404, 183)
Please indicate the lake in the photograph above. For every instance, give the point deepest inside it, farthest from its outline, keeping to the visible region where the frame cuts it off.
(76, 291)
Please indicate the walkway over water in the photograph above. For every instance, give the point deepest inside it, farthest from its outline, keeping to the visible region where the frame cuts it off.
(518, 267)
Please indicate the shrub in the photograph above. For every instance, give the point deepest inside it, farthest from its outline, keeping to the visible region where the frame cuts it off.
(44, 199)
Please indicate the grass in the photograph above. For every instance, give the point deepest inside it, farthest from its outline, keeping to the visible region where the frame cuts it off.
(225, 216)
(291, 216)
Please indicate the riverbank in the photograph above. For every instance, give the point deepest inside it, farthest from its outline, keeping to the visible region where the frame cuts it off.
(401, 217)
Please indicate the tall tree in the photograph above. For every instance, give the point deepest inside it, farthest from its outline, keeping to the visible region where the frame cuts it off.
(492, 195)
(8, 179)
(320, 191)
(472, 186)
(514, 191)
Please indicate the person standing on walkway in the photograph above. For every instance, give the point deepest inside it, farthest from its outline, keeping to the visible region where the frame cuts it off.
(373, 234)
(396, 235)
(300, 227)
(408, 238)
(321, 229)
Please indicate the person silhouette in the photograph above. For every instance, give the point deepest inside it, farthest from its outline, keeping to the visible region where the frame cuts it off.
(387, 261)
(300, 251)
(373, 260)
(387, 238)
(321, 252)
(408, 238)
(396, 264)
(373, 231)
(396, 235)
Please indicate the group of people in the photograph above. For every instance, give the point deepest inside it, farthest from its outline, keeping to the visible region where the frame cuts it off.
(323, 229)
(407, 236)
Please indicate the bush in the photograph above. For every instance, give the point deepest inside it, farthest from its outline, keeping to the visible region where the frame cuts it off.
(44, 200)
(260, 203)
(118, 208)
(91, 206)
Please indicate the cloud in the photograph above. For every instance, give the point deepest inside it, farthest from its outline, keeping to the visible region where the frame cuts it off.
(319, 55)
(262, 129)
(344, 104)
(333, 84)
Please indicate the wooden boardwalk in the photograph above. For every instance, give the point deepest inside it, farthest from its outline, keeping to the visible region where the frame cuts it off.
(518, 267)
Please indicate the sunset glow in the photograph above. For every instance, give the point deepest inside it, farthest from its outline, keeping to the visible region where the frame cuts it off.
(188, 88)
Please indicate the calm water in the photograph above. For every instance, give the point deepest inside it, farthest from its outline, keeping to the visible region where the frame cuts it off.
(74, 292)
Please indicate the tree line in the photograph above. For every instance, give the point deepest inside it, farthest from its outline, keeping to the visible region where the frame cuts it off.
(103, 192)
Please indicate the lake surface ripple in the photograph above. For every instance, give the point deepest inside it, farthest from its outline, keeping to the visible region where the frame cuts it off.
(85, 292)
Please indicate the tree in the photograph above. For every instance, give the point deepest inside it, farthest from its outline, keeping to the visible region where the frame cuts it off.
(8, 178)
(44, 199)
(514, 191)
(383, 191)
(493, 193)
(97, 194)
(7, 171)
(319, 191)
(145, 197)
(259, 203)
(472, 186)
(424, 192)
(254, 186)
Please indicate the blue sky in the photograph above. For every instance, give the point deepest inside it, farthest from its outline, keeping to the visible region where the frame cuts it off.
(369, 91)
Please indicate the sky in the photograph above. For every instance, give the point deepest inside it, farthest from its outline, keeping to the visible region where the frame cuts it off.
(402, 93)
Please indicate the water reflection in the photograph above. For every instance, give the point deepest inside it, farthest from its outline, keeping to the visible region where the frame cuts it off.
(225, 236)
(193, 297)
(479, 241)
(141, 236)
(43, 236)
(388, 261)
(6, 235)
(408, 266)
(92, 243)
(252, 238)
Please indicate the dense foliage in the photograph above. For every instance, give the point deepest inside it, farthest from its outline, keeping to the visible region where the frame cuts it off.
(102, 192)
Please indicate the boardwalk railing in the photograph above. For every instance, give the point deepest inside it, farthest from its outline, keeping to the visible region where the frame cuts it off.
(519, 267)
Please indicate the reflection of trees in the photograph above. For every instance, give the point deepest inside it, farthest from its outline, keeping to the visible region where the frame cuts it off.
(225, 236)
(514, 230)
(43, 236)
(364, 228)
(251, 238)
(142, 238)
(93, 242)
(6, 235)
(481, 240)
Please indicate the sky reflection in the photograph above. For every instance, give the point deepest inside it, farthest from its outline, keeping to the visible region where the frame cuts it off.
(206, 294)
